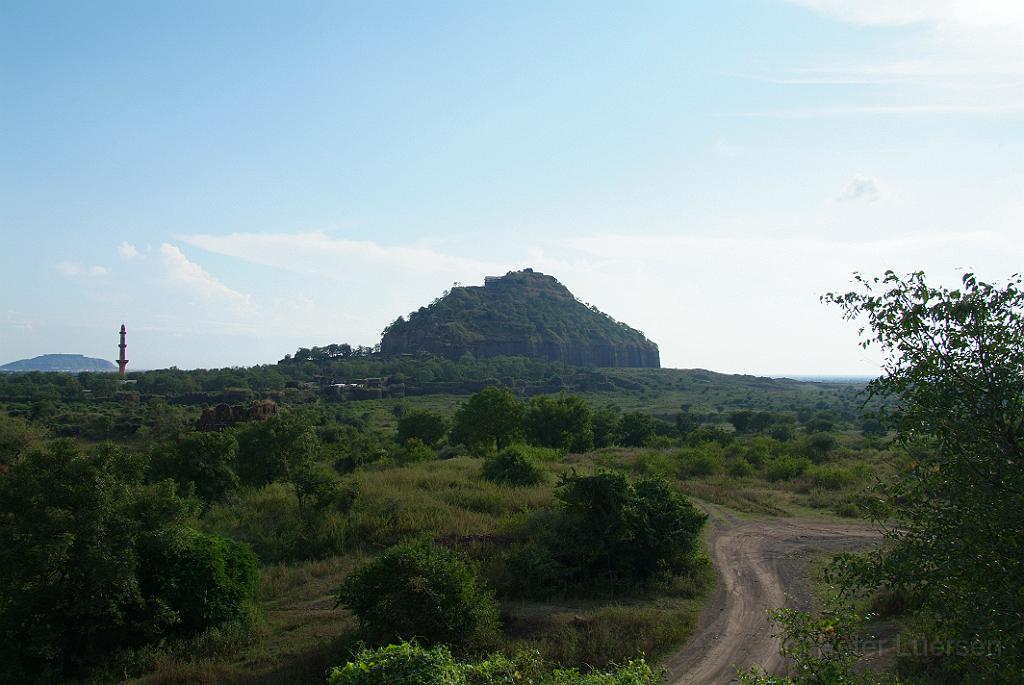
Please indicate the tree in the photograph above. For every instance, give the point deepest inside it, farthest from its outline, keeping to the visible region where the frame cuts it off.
(423, 591)
(276, 448)
(491, 418)
(954, 370)
(565, 423)
(513, 466)
(426, 425)
(614, 530)
(203, 461)
(635, 429)
(92, 561)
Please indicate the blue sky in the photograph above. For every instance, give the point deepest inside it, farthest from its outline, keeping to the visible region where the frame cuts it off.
(234, 180)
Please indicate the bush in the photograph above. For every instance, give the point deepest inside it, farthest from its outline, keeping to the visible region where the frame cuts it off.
(203, 461)
(491, 418)
(613, 530)
(741, 468)
(421, 590)
(204, 579)
(272, 450)
(414, 450)
(92, 561)
(829, 477)
(819, 445)
(410, 664)
(704, 461)
(785, 468)
(565, 423)
(427, 426)
(635, 429)
(513, 466)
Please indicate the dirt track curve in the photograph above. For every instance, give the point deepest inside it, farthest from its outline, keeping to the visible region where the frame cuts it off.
(760, 563)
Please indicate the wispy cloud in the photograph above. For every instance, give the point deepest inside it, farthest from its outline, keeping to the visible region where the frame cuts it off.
(951, 56)
(338, 258)
(893, 109)
(76, 270)
(860, 189)
(199, 281)
(127, 251)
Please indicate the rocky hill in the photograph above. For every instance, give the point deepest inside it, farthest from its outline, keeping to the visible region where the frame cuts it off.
(69, 363)
(523, 313)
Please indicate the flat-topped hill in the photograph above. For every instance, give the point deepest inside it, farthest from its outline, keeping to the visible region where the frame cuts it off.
(523, 313)
(69, 363)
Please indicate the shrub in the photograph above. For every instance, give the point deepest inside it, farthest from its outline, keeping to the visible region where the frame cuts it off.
(829, 477)
(564, 423)
(614, 530)
(785, 468)
(407, 663)
(819, 445)
(741, 468)
(427, 426)
(491, 418)
(414, 450)
(92, 560)
(635, 429)
(286, 522)
(272, 450)
(204, 579)
(421, 590)
(512, 466)
(704, 461)
(203, 461)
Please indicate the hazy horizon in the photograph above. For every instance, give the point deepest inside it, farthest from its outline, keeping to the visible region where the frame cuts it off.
(234, 181)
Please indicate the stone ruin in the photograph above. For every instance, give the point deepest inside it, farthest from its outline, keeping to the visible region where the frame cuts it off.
(223, 416)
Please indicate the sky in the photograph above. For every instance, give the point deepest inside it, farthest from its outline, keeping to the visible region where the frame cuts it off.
(234, 180)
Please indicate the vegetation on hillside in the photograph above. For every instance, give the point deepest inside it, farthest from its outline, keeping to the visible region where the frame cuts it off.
(521, 313)
(552, 503)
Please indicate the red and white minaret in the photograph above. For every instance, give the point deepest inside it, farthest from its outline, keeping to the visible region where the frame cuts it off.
(121, 361)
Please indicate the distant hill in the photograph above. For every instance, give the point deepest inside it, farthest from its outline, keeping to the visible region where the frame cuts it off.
(523, 313)
(71, 363)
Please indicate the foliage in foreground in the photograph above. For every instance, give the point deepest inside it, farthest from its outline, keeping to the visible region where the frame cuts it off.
(823, 648)
(423, 591)
(93, 561)
(955, 366)
(410, 664)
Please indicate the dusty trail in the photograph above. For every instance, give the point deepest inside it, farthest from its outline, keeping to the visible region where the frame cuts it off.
(759, 562)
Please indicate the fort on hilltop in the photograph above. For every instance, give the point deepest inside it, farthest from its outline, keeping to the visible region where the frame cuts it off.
(523, 313)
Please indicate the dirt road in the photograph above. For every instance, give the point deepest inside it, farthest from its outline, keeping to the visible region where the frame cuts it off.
(761, 565)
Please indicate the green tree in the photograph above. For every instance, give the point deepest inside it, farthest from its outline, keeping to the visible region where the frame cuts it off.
(423, 424)
(491, 418)
(276, 448)
(423, 591)
(203, 461)
(565, 423)
(635, 429)
(614, 530)
(513, 466)
(93, 561)
(954, 375)
(605, 424)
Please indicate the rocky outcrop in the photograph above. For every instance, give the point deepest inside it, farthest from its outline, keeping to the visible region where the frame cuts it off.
(523, 313)
(223, 416)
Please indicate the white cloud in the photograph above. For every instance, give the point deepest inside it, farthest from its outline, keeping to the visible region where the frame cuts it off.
(127, 251)
(75, 270)
(192, 276)
(342, 259)
(860, 189)
(952, 57)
